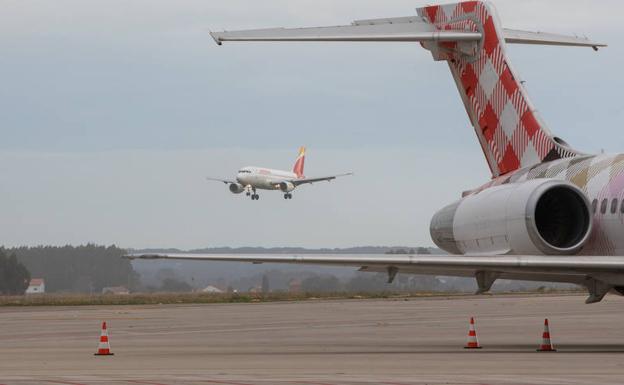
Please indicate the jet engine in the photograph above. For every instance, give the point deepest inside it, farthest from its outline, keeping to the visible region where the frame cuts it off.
(536, 217)
(236, 188)
(286, 186)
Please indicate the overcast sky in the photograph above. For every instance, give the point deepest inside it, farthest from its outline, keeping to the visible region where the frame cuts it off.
(113, 112)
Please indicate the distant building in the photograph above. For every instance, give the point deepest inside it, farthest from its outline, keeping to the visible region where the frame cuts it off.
(36, 286)
(211, 289)
(117, 290)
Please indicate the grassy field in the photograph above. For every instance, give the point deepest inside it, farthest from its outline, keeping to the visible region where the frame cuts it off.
(194, 298)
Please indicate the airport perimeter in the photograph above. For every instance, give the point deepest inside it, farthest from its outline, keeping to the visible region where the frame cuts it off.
(415, 341)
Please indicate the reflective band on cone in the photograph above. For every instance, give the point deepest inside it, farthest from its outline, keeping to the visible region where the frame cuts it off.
(473, 342)
(546, 345)
(104, 345)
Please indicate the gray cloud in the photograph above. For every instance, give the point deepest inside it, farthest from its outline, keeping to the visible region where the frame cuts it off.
(114, 111)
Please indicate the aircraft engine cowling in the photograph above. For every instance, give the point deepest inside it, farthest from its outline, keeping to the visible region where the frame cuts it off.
(236, 188)
(286, 186)
(536, 217)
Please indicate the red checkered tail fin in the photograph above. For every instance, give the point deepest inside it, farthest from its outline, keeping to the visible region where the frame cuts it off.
(509, 129)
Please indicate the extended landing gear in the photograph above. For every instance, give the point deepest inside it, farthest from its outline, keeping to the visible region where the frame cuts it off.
(288, 196)
(254, 196)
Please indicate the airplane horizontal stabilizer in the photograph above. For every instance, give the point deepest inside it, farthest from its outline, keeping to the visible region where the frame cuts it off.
(513, 36)
(401, 29)
(406, 32)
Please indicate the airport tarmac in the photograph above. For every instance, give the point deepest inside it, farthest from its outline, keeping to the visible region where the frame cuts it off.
(416, 341)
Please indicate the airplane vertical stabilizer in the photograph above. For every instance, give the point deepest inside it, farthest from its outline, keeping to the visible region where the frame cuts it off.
(299, 163)
(510, 130)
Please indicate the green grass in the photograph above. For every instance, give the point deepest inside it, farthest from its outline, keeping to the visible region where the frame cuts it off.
(198, 298)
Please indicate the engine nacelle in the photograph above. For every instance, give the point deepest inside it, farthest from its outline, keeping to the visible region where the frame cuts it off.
(286, 186)
(236, 188)
(536, 217)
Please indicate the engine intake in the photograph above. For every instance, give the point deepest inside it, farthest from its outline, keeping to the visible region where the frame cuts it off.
(236, 188)
(562, 217)
(286, 186)
(541, 216)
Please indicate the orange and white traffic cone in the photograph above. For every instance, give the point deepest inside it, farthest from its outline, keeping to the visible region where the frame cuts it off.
(473, 342)
(104, 345)
(546, 345)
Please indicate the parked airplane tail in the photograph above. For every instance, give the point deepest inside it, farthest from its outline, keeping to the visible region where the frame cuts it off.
(299, 163)
(510, 130)
(469, 36)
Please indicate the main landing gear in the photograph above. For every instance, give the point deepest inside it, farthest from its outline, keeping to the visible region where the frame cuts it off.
(254, 196)
(288, 196)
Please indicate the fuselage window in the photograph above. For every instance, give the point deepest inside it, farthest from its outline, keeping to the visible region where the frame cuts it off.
(603, 206)
(595, 206)
(614, 205)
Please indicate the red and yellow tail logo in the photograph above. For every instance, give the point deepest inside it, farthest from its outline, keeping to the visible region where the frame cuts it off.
(298, 167)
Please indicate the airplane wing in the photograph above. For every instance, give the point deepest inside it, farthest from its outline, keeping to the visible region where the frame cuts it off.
(226, 181)
(600, 274)
(298, 182)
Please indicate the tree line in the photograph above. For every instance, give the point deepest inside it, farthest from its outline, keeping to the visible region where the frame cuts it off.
(82, 269)
(14, 277)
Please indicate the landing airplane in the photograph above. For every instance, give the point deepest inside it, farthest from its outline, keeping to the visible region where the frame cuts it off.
(549, 213)
(250, 179)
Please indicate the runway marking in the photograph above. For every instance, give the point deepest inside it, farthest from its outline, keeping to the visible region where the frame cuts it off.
(225, 382)
(64, 382)
(145, 382)
(393, 383)
(311, 383)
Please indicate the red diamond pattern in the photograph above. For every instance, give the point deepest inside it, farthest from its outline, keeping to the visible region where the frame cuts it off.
(491, 39)
(491, 88)
(469, 6)
(508, 81)
(469, 80)
(530, 123)
(510, 161)
(432, 12)
(488, 123)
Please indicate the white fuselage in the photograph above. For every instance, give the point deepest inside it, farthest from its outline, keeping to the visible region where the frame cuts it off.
(263, 178)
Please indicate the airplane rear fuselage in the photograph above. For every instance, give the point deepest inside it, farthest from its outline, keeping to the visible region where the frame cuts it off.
(600, 178)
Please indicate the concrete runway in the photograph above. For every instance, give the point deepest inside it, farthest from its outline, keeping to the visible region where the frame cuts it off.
(392, 342)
